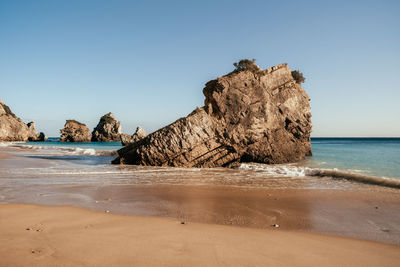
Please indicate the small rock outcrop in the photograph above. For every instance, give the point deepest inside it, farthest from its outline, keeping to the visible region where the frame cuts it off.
(13, 128)
(108, 129)
(127, 139)
(74, 131)
(250, 115)
(33, 134)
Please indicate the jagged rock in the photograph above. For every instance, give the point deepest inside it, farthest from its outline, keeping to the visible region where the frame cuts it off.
(74, 131)
(108, 129)
(13, 128)
(33, 134)
(127, 139)
(249, 115)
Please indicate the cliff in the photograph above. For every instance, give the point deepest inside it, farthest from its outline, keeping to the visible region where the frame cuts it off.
(13, 128)
(248, 115)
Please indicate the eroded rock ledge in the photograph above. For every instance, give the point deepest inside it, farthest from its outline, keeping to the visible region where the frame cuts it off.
(260, 116)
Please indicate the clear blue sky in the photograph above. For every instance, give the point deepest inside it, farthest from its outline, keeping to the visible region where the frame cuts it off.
(148, 61)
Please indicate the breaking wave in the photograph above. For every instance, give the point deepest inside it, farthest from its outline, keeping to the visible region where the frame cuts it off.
(62, 149)
(299, 171)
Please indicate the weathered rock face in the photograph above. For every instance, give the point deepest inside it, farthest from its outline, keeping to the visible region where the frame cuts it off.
(33, 134)
(261, 116)
(127, 139)
(74, 131)
(108, 129)
(13, 128)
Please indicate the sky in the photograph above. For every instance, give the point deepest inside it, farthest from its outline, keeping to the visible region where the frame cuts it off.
(148, 61)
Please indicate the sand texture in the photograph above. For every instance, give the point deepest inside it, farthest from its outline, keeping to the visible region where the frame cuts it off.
(66, 236)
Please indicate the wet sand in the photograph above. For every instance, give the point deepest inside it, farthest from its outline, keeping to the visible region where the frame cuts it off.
(363, 214)
(370, 213)
(68, 236)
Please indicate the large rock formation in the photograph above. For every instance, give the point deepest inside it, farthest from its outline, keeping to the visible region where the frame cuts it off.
(127, 139)
(108, 129)
(74, 131)
(13, 128)
(249, 115)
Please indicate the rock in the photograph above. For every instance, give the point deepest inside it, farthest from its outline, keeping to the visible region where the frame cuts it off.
(13, 128)
(127, 139)
(33, 135)
(249, 116)
(108, 129)
(74, 131)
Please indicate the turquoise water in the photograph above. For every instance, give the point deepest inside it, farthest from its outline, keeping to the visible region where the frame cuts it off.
(369, 156)
(372, 156)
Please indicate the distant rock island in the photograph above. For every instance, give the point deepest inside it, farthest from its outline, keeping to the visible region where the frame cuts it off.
(108, 129)
(249, 115)
(13, 128)
(75, 131)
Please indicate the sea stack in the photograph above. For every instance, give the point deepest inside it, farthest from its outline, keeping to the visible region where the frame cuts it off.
(74, 131)
(108, 129)
(33, 134)
(13, 128)
(127, 139)
(249, 115)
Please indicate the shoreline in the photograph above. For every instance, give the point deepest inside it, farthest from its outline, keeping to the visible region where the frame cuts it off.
(245, 198)
(73, 236)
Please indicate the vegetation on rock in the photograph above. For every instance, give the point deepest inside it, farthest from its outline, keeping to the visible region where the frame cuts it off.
(246, 64)
(298, 76)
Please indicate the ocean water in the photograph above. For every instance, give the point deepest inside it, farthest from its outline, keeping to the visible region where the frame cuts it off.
(370, 156)
(367, 160)
(373, 156)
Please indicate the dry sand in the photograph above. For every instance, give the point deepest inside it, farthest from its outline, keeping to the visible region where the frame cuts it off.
(66, 236)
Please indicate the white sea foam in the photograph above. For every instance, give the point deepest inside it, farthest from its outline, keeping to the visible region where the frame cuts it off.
(83, 151)
(277, 170)
(298, 171)
(66, 150)
(6, 144)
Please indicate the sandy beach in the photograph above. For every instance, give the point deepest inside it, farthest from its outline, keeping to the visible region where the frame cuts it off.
(69, 236)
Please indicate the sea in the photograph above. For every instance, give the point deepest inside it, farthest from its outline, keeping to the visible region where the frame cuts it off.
(358, 160)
